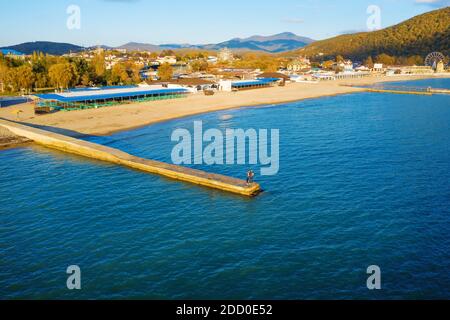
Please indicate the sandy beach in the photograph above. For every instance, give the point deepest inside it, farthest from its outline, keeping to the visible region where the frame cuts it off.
(105, 121)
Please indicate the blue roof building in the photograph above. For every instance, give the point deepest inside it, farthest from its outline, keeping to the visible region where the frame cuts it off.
(89, 98)
(12, 52)
(254, 84)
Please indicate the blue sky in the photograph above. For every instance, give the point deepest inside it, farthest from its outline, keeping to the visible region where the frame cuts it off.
(115, 22)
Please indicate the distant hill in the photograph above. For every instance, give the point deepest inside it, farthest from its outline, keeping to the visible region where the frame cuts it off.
(417, 36)
(282, 42)
(277, 43)
(136, 46)
(53, 48)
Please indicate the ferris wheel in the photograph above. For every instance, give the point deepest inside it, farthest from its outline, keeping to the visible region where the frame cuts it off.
(433, 59)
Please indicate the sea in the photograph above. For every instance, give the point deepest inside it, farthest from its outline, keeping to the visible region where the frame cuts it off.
(364, 181)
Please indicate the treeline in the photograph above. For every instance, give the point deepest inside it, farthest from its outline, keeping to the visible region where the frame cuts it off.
(388, 60)
(42, 71)
(262, 61)
(370, 61)
(418, 36)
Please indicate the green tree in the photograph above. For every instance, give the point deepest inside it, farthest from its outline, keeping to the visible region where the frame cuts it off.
(40, 64)
(199, 65)
(327, 65)
(25, 78)
(20, 78)
(86, 79)
(385, 59)
(415, 60)
(271, 66)
(369, 62)
(41, 80)
(62, 75)
(401, 61)
(339, 58)
(98, 67)
(165, 72)
(11, 82)
(134, 73)
(119, 74)
(165, 53)
(3, 76)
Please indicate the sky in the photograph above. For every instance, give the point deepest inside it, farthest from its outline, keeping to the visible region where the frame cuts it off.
(116, 22)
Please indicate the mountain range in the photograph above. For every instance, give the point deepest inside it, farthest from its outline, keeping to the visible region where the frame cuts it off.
(419, 35)
(278, 43)
(282, 42)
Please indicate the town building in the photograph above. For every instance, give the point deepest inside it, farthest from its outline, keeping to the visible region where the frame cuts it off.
(440, 67)
(93, 98)
(13, 54)
(362, 69)
(225, 55)
(167, 59)
(378, 67)
(282, 78)
(409, 70)
(228, 85)
(212, 59)
(237, 74)
(345, 66)
(301, 64)
(348, 66)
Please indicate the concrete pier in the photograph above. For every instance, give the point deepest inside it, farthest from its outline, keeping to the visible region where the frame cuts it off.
(103, 153)
(406, 90)
(440, 91)
(424, 93)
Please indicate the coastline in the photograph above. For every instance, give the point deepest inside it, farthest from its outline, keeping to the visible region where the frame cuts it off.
(107, 121)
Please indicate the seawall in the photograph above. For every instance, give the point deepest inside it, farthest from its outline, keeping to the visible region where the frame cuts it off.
(103, 153)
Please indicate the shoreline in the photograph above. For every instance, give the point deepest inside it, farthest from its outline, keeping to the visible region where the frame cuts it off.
(126, 117)
(218, 109)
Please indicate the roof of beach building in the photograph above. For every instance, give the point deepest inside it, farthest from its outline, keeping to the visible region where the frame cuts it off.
(277, 75)
(185, 82)
(246, 83)
(93, 94)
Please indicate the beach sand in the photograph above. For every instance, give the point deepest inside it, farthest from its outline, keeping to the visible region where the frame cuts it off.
(105, 121)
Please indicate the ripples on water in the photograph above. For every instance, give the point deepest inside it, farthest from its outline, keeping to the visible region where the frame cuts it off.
(364, 180)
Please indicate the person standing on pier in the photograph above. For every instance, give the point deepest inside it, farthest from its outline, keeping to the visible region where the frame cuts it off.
(250, 177)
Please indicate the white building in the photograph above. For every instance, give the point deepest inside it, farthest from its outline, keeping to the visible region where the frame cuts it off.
(225, 85)
(212, 59)
(378, 67)
(225, 55)
(167, 59)
(302, 63)
(362, 69)
(348, 66)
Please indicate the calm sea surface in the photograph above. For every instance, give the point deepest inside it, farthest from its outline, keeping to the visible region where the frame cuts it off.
(364, 180)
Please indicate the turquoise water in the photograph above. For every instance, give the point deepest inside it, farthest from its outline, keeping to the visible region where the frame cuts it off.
(364, 180)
